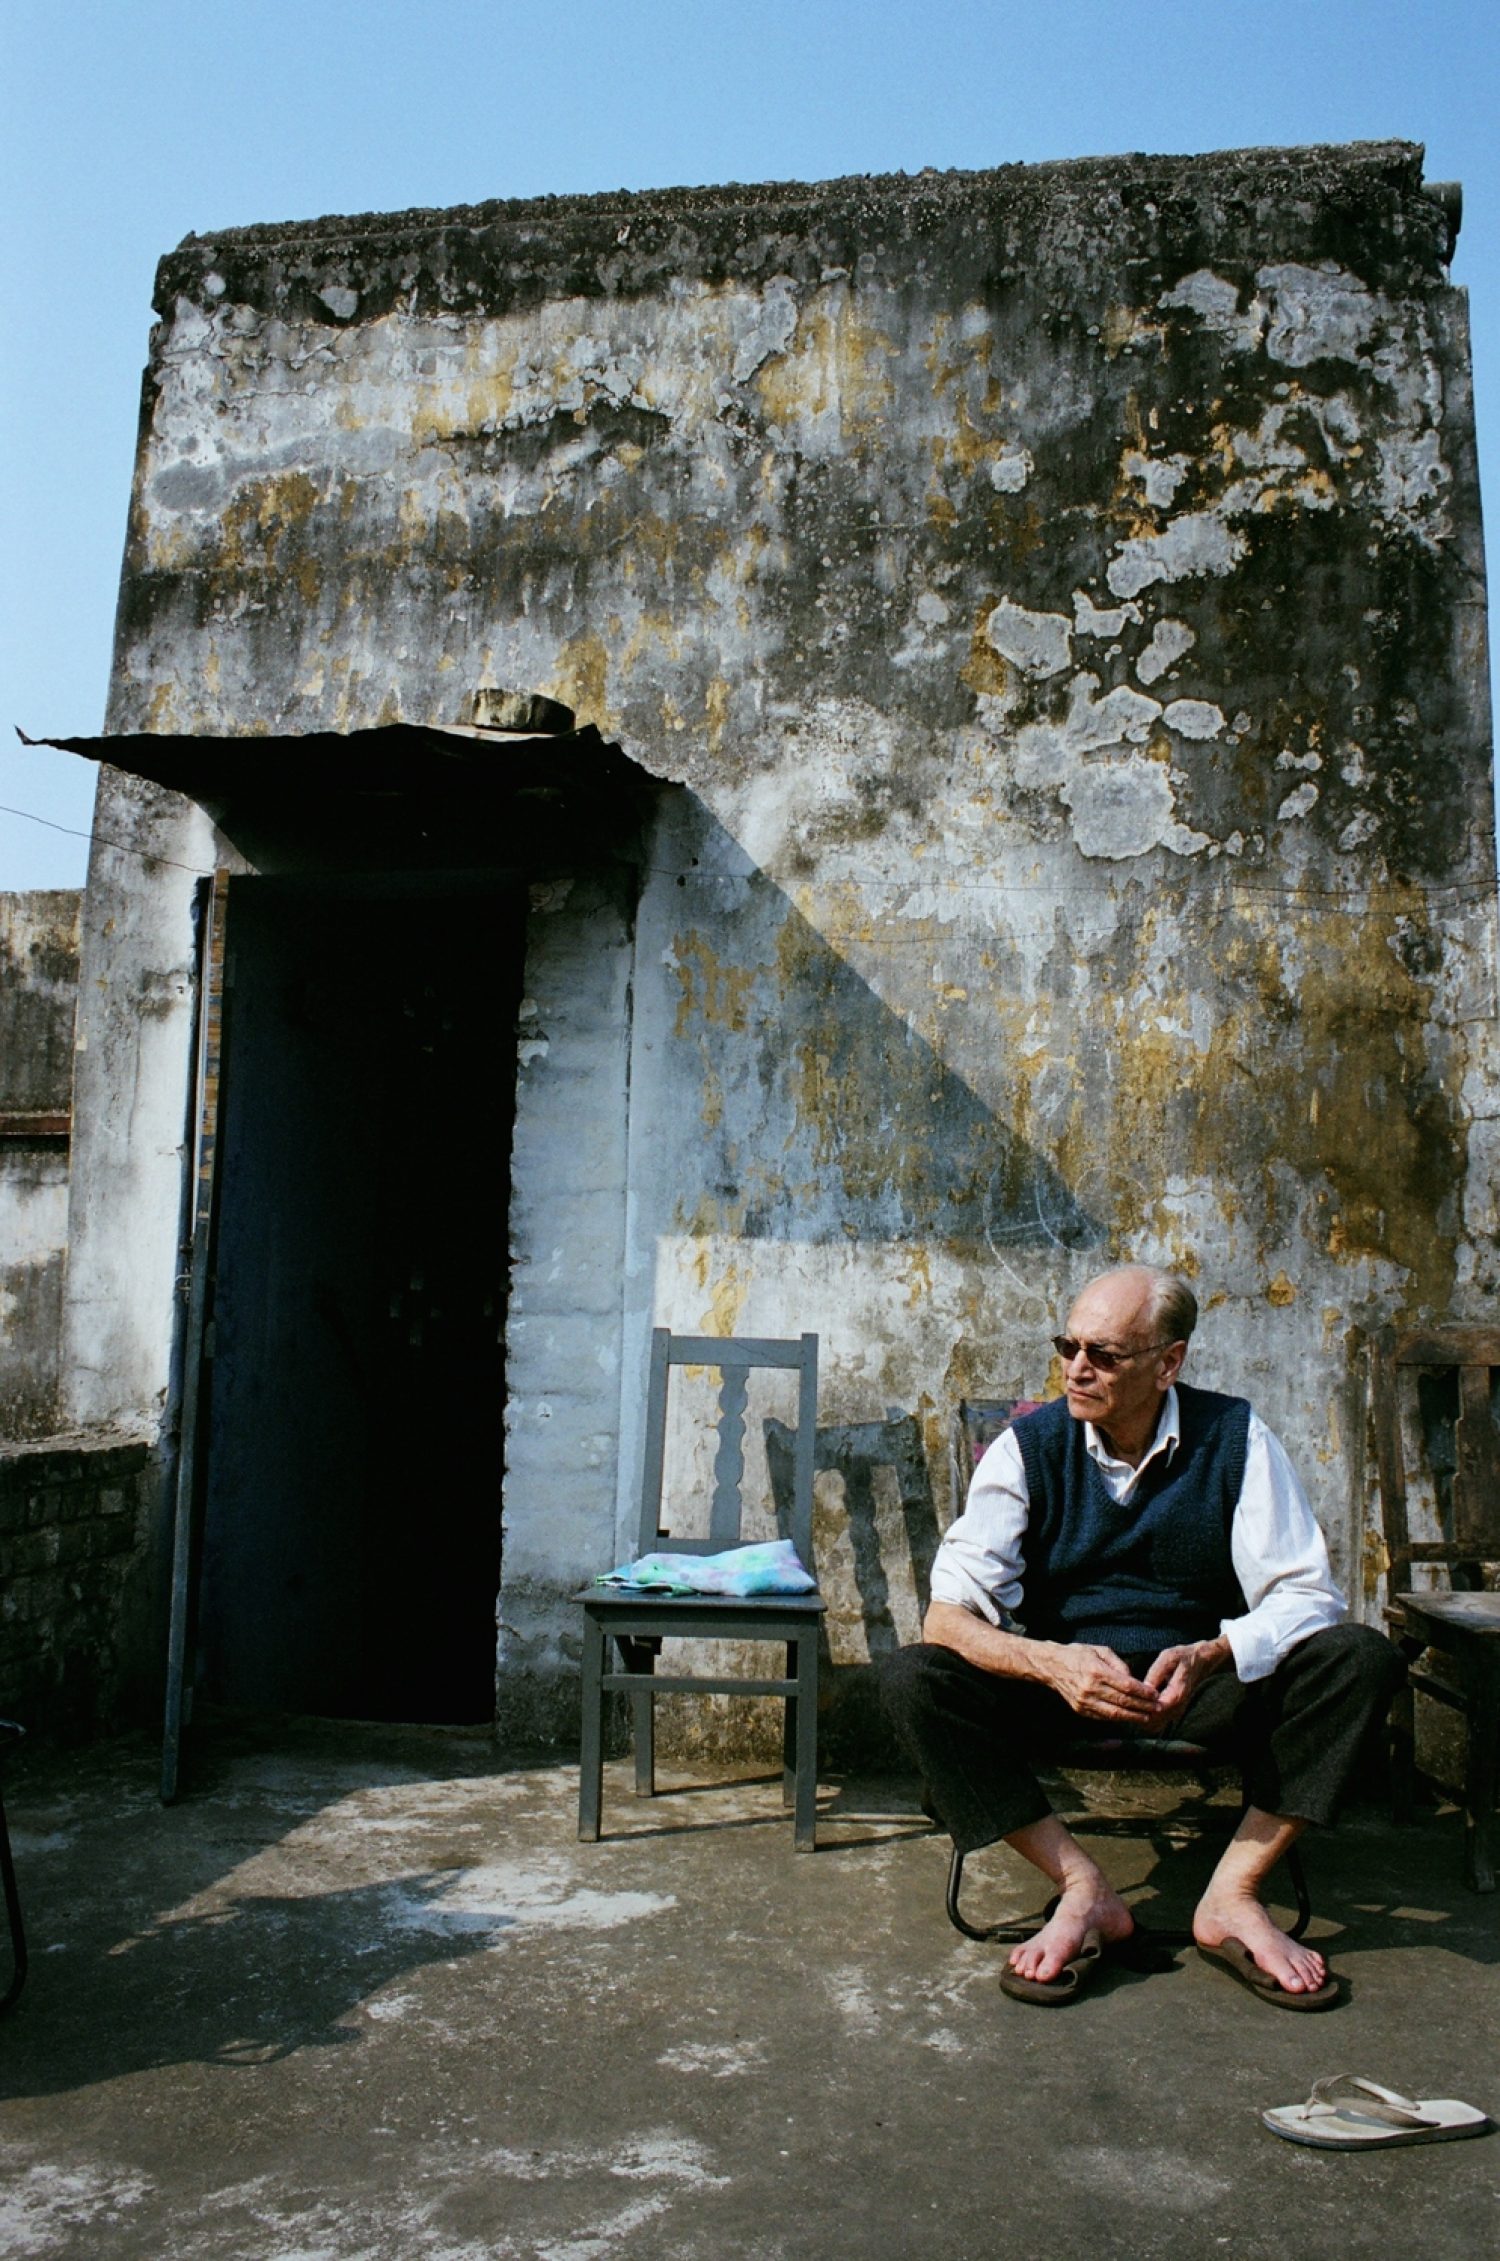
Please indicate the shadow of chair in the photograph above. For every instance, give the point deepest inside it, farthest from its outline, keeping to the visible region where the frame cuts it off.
(978, 1423)
(875, 1534)
(859, 1454)
(1455, 1373)
(638, 1622)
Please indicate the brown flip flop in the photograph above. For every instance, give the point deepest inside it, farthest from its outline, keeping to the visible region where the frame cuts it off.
(1069, 1983)
(1235, 1957)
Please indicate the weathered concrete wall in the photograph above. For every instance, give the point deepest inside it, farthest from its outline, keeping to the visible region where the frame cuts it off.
(1061, 591)
(569, 1165)
(76, 1531)
(131, 1091)
(38, 995)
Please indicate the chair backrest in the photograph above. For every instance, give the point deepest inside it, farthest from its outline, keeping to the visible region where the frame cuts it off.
(734, 1358)
(976, 1425)
(1457, 1373)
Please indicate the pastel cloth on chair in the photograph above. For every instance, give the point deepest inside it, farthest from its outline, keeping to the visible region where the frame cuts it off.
(770, 1567)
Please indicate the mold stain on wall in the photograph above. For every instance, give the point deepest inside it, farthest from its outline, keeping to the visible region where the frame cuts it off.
(1055, 590)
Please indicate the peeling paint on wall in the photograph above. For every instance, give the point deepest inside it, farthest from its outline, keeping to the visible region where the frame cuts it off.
(1058, 591)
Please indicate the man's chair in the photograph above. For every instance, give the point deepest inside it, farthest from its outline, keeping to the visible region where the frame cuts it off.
(979, 1422)
(638, 1623)
(1138, 1754)
(1456, 1373)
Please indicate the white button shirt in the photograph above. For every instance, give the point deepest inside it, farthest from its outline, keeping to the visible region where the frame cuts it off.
(1277, 1549)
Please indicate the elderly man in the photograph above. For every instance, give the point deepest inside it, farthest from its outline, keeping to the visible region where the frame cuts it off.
(1138, 1558)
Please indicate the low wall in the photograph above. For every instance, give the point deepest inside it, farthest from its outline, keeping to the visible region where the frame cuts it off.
(38, 992)
(78, 1612)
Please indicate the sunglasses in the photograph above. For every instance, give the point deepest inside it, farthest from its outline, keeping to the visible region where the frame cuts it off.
(1068, 1347)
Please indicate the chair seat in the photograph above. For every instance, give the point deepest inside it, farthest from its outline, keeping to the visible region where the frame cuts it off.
(1133, 1753)
(650, 1619)
(615, 1602)
(1462, 1613)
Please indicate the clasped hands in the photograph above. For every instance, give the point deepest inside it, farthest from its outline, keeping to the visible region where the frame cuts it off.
(1096, 1684)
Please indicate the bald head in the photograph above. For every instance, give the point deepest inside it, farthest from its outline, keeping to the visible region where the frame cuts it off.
(1162, 1304)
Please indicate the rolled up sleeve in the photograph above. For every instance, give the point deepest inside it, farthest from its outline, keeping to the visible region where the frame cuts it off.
(1280, 1559)
(978, 1565)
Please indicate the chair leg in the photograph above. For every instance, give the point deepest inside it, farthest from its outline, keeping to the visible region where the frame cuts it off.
(789, 1734)
(805, 1731)
(643, 1732)
(1025, 1928)
(640, 1656)
(1480, 1773)
(1404, 1742)
(13, 1917)
(591, 1742)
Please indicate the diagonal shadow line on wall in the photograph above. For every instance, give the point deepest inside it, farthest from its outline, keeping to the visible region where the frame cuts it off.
(824, 1115)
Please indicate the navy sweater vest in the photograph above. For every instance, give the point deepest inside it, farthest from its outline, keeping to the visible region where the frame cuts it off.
(1147, 1574)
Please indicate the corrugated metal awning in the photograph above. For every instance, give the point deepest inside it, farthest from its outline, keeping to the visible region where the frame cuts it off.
(400, 796)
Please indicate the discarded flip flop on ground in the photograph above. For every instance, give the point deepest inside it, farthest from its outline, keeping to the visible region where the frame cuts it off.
(1235, 1957)
(1346, 2112)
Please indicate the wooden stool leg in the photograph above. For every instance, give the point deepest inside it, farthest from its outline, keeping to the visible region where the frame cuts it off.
(1480, 1774)
(1404, 1741)
(591, 1742)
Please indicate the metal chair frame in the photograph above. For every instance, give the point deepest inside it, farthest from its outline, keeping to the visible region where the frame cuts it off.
(639, 1623)
(1147, 1756)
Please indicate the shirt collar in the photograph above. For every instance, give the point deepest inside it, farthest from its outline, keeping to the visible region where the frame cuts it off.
(1168, 1437)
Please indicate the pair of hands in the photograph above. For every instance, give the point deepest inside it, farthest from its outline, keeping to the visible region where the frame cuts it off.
(1096, 1684)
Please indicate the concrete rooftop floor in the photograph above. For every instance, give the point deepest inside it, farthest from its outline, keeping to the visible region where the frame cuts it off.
(361, 1996)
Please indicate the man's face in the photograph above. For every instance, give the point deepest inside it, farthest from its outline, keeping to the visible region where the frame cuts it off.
(1114, 1314)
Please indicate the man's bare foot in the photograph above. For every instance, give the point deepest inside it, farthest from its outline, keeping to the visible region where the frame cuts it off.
(1239, 1915)
(1089, 1902)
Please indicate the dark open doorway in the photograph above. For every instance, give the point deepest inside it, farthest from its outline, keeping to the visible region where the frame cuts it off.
(351, 1532)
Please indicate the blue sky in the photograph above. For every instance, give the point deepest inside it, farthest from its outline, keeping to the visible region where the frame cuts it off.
(125, 124)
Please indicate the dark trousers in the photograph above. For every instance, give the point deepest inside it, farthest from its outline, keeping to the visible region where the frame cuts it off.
(1296, 1735)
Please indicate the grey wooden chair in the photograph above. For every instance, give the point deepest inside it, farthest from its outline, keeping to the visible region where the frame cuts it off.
(1456, 1371)
(639, 1623)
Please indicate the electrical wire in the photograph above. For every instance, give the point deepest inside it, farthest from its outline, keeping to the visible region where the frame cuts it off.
(952, 877)
(102, 840)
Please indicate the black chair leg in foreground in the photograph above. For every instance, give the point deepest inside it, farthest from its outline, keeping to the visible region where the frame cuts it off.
(9, 1733)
